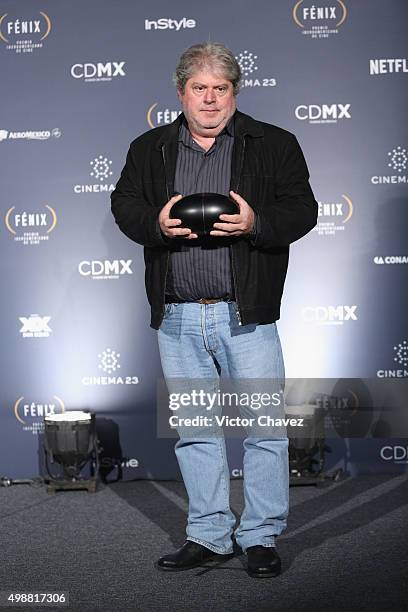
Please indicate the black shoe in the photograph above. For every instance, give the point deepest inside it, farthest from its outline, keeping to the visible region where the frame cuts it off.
(263, 562)
(188, 556)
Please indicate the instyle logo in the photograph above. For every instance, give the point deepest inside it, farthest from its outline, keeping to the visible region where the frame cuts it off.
(156, 117)
(248, 62)
(30, 134)
(24, 34)
(165, 23)
(329, 315)
(333, 216)
(31, 414)
(124, 462)
(319, 20)
(109, 366)
(398, 162)
(31, 228)
(401, 359)
(106, 269)
(390, 259)
(323, 113)
(92, 73)
(35, 326)
(101, 172)
(388, 66)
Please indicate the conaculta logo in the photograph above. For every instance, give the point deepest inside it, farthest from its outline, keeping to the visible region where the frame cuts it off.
(165, 23)
(390, 259)
(92, 73)
(30, 134)
(31, 228)
(24, 34)
(322, 113)
(319, 19)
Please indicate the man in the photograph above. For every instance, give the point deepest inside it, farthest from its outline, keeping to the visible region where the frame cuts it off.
(215, 302)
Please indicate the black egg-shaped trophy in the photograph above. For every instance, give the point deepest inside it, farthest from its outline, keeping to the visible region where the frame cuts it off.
(200, 211)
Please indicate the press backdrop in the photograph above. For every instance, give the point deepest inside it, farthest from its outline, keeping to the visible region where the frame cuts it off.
(79, 81)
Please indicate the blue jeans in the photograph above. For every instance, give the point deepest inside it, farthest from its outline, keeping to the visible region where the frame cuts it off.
(203, 341)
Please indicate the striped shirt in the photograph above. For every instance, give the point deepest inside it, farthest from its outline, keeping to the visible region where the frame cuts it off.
(201, 268)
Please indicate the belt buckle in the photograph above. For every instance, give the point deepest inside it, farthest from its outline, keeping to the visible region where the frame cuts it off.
(209, 300)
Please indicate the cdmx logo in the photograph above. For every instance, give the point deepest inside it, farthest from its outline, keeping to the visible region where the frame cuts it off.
(306, 13)
(30, 227)
(14, 28)
(31, 414)
(157, 117)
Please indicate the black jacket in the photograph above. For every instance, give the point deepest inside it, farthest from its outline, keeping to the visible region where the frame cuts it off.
(268, 171)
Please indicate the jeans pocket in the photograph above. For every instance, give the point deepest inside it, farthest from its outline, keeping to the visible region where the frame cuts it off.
(168, 309)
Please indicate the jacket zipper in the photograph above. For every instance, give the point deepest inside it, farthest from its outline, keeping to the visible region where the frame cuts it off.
(232, 250)
(168, 252)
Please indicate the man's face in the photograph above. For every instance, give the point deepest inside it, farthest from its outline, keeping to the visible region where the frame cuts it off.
(208, 103)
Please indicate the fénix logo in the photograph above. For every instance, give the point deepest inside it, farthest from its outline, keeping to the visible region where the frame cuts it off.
(333, 216)
(24, 34)
(31, 414)
(106, 269)
(390, 259)
(30, 134)
(321, 19)
(155, 117)
(397, 161)
(329, 315)
(35, 326)
(101, 171)
(322, 113)
(388, 66)
(91, 73)
(400, 358)
(165, 23)
(31, 228)
(250, 77)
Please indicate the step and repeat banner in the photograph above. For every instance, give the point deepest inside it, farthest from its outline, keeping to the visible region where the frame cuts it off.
(80, 81)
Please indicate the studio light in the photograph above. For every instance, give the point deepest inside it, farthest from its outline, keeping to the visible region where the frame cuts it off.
(71, 441)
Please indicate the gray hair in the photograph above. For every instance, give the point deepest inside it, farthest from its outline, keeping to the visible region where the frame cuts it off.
(210, 55)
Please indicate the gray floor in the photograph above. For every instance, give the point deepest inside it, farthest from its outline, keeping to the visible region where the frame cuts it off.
(345, 548)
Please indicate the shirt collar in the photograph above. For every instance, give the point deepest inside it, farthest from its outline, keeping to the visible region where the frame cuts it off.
(185, 134)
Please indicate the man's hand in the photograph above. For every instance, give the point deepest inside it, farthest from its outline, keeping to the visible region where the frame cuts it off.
(169, 226)
(235, 225)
